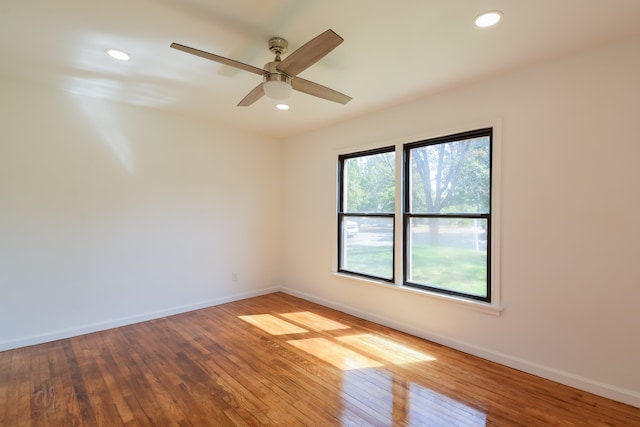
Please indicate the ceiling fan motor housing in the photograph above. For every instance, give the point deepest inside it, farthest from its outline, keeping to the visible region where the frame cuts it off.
(274, 75)
(277, 85)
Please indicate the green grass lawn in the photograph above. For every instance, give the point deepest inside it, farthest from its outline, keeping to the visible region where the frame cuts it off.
(375, 261)
(460, 270)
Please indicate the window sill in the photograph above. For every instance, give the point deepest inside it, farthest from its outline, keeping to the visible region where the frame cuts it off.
(492, 309)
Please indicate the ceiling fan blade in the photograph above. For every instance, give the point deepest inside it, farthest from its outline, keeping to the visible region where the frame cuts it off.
(253, 96)
(220, 59)
(320, 91)
(310, 53)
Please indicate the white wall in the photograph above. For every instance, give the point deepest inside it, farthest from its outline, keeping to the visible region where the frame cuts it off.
(111, 214)
(570, 231)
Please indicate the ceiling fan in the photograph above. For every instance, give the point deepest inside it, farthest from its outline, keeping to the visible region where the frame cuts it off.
(281, 75)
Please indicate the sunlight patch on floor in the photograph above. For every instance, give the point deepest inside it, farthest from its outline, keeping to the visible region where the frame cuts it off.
(272, 324)
(386, 349)
(314, 321)
(334, 354)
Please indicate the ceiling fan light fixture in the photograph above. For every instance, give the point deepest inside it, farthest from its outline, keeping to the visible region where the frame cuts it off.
(277, 86)
(488, 19)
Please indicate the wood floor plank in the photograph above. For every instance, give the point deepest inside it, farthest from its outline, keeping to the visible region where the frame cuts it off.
(66, 408)
(278, 360)
(9, 412)
(5, 376)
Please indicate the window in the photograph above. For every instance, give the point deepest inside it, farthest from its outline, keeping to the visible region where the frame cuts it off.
(366, 213)
(447, 214)
(446, 184)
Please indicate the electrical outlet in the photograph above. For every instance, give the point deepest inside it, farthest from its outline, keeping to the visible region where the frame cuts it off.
(234, 276)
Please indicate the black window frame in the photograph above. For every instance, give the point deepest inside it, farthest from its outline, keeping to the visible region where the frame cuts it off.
(407, 215)
(342, 215)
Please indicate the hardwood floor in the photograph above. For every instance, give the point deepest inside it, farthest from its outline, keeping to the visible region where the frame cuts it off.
(278, 360)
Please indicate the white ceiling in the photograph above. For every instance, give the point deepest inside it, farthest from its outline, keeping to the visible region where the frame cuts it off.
(393, 51)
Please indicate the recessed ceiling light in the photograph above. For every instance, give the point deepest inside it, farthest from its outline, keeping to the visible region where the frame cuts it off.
(488, 19)
(118, 54)
(282, 107)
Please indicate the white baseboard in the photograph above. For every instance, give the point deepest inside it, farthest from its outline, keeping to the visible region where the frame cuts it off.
(609, 391)
(115, 323)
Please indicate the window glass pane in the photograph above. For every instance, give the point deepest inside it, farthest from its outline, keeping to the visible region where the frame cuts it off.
(367, 246)
(452, 177)
(370, 183)
(449, 254)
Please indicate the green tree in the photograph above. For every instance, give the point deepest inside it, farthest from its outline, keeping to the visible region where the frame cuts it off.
(450, 177)
(371, 183)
